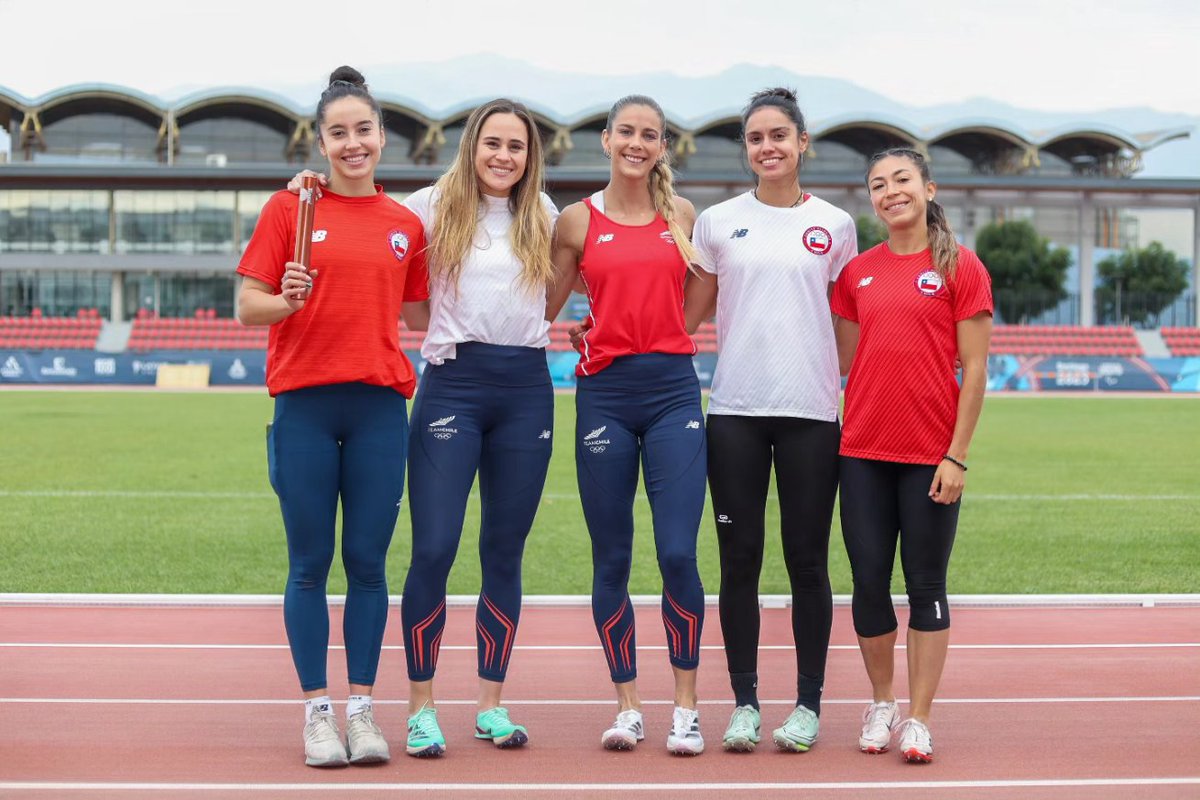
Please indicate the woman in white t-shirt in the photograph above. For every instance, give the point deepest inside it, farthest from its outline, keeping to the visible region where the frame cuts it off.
(485, 403)
(773, 254)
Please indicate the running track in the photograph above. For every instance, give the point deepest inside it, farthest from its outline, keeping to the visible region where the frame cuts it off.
(198, 701)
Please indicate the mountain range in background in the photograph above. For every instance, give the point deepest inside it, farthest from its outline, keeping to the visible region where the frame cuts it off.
(465, 81)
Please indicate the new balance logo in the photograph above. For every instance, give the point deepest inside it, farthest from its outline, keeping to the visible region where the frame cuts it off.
(596, 433)
(693, 425)
(437, 423)
(544, 435)
(604, 237)
(866, 281)
(740, 233)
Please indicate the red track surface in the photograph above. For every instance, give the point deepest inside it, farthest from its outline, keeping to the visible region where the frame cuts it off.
(207, 707)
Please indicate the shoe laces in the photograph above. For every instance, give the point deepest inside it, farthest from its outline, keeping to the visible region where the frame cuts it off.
(424, 722)
(685, 721)
(495, 716)
(918, 731)
(363, 718)
(742, 720)
(874, 715)
(323, 727)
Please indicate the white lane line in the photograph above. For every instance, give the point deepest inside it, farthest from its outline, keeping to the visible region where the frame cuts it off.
(172, 494)
(577, 702)
(560, 788)
(582, 647)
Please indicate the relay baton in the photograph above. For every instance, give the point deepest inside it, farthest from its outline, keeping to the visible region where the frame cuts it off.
(304, 219)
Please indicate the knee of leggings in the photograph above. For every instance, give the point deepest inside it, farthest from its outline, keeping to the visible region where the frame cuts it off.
(676, 566)
(809, 578)
(872, 612)
(928, 612)
(430, 559)
(311, 572)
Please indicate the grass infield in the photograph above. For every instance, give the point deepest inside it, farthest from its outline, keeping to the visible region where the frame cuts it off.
(168, 493)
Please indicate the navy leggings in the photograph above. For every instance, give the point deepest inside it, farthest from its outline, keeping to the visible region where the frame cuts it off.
(489, 410)
(643, 407)
(880, 501)
(342, 440)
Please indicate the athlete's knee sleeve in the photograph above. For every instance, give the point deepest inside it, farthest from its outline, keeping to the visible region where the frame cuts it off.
(928, 609)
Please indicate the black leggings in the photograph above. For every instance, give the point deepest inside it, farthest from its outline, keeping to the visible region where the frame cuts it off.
(881, 499)
(740, 452)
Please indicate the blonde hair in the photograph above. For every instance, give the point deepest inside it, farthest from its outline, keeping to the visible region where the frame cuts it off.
(943, 247)
(458, 205)
(662, 179)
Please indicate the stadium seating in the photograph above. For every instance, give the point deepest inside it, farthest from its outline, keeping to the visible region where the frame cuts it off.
(37, 332)
(1182, 341)
(1030, 340)
(205, 331)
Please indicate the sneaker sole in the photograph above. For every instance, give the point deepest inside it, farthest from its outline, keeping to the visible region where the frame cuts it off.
(739, 745)
(873, 750)
(371, 758)
(792, 747)
(684, 749)
(617, 742)
(917, 757)
(429, 751)
(514, 739)
(327, 763)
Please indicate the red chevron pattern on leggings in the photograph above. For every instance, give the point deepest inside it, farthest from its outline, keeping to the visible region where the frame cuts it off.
(674, 638)
(619, 657)
(510, 634)
(418, 638)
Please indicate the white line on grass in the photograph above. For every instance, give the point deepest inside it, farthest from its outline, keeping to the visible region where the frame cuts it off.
(186, 495)
(601, 702)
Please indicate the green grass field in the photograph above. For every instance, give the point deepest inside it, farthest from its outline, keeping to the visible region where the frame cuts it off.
(146, 492)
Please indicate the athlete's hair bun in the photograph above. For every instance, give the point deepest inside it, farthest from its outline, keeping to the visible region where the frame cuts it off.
(777, 91)
(348, 75)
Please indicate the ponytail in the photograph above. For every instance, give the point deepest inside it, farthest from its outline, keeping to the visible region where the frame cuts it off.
(943, 247)
(662, 190)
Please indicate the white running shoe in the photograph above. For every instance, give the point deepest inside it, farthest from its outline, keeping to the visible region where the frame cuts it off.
(878, 721)
(367, 745)
(625, 733)
(323, 741)
(916, 745)
(684, 738)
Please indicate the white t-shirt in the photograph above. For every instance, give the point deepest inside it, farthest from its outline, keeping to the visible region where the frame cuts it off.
(490, 304)
(776, 355)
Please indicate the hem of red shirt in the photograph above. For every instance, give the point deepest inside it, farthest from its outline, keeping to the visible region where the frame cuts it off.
(896, 458)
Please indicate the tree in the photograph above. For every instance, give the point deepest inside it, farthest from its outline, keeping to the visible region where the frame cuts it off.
(870, 232)
(1137, 285)
(1027, 272)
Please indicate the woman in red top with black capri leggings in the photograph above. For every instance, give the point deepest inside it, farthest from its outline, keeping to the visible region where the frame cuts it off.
(906, 310)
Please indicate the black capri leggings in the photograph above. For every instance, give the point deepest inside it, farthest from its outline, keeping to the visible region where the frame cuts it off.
(881, 499)
(740, 453)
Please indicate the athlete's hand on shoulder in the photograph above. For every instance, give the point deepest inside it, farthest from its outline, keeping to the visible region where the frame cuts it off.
(294, 184)
(296, 284)
(948, 482)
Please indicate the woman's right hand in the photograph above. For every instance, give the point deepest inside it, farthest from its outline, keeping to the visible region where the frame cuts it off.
(294, 184)
(296, 284)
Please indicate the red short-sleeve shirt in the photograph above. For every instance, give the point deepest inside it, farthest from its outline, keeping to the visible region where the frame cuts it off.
(902, 392)
(369, 256)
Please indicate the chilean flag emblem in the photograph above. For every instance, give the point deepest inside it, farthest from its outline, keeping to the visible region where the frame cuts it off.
(399, 244)
(929, 283)
(818, 240)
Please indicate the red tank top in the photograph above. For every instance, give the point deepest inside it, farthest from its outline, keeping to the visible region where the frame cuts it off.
(634, 276)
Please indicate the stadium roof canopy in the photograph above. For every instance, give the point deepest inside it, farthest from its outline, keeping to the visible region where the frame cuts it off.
(975, 146)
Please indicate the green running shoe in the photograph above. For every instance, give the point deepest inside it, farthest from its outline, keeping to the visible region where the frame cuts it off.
(425, 738)
(742, 734)
(799, 731)
(495, 726)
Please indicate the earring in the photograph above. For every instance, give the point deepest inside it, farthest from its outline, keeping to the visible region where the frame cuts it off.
(607, 154)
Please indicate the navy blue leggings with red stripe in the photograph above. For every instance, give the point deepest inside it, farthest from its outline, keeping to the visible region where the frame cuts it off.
(488, 410)
(643, 408)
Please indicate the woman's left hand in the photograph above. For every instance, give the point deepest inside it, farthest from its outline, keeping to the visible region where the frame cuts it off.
(294, 184)
(948, 482)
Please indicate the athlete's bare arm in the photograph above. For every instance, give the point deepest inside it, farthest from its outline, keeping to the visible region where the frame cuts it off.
(846, 334)
(565, 251)
(973, 335)
(699, 299)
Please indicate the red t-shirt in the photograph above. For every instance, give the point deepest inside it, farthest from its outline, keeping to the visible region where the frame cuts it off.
(902, 393)
(369, 253)
(634, 276)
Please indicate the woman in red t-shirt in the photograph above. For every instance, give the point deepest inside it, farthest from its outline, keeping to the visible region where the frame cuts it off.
(340, 383)
(906, 310)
